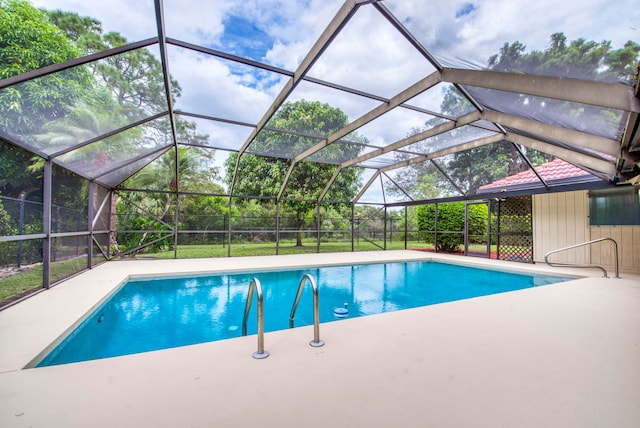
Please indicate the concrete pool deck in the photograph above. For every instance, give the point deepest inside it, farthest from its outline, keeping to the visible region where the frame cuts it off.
(563, 355)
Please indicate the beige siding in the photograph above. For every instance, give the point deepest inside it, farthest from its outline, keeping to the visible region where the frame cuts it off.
(628, 239)
(562, 219)
(636, 249)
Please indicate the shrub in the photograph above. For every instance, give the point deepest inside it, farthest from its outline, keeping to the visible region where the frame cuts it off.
(450, 230)
(147, 226)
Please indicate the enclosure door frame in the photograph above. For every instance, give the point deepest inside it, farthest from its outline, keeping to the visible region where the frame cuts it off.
(487, 253)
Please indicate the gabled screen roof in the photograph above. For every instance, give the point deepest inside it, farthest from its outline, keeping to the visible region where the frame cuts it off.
(415, 101)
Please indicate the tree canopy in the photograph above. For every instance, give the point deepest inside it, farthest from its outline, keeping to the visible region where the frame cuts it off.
(28, 41)
(579, 58)
(265, 175)
(59, 111)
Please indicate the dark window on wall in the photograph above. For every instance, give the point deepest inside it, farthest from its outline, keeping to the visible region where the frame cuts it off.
(620, 207)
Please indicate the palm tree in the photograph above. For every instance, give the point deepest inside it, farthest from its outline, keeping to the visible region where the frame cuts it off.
(81, 123)
(161, 176)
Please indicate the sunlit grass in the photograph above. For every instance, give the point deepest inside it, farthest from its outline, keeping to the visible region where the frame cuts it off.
(31, 279)
(19, 283)
(309, 246)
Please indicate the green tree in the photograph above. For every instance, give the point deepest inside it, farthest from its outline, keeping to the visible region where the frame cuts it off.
(81, 123)
(422, 181)
(473, 168)
(15, 177)
(204, 213)
(581, 59)
(129, 86)
(264, 175)
(28, 41)
(126, 87)
(84, 31)
(154, 208)
(134, 79)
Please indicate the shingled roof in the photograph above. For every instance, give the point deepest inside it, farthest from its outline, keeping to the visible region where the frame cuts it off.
(552, 172)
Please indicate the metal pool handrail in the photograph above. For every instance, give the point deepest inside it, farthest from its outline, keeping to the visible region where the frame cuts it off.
(604, 271)
(316, 342)
(255, 284)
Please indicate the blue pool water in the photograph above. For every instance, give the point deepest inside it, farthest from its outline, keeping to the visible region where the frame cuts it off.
(151, 314)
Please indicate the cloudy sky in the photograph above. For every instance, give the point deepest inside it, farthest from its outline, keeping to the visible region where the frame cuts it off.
(368, 54)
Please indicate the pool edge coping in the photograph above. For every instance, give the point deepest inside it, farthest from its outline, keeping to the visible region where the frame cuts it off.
(88, 300)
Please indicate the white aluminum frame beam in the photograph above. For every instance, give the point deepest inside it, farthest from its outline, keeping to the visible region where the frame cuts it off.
(569, 136)
(444, 152)
(413, 90)
(366, 187)
(603, 166)
(436, 130)
(608, 95)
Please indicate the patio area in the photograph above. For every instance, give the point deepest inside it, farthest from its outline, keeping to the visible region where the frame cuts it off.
(560, 355)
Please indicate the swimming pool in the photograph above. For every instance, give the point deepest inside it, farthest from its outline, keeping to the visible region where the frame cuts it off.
(148, 314)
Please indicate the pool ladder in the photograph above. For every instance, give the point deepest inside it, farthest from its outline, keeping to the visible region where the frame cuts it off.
(255, 285)
(604, 271)
(316, 342)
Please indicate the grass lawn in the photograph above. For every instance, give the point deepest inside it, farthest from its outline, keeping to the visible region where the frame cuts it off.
(31, 279)
(20, 283)
(268, 248)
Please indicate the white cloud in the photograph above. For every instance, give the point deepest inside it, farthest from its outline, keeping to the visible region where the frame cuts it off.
(135, 20)
(196, 21)
(471, 39)
(297, 28)
(210, 87)
(370, 55)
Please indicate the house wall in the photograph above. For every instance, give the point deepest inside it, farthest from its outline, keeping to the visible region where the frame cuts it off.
(562, 219)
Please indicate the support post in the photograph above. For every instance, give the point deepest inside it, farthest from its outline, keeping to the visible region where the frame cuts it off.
(177, 219)
(21, 227)
(384, 230)
(466, 229)
(489, 228)
(112, 224)
(435, 232)
(229, 227)
(498, 231)
(46, 224)
(406, 227)
(90, 214)
(318, 228)
(277, 227)
(353, 228)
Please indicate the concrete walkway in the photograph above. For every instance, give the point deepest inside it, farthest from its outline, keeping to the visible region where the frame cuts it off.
(563, 355)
